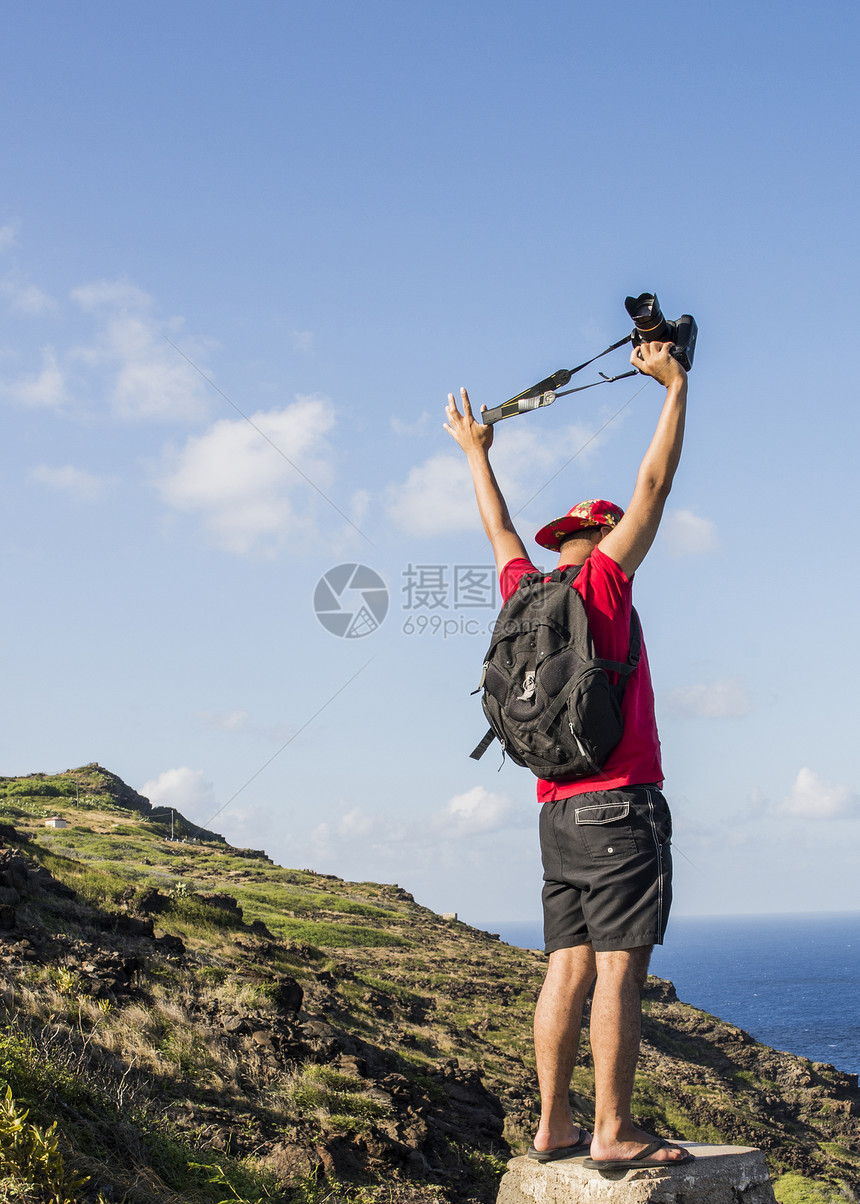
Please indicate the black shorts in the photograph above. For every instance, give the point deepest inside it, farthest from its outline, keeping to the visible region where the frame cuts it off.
(607, 869)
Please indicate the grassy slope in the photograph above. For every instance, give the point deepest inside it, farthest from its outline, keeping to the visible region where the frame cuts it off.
(400, 1010)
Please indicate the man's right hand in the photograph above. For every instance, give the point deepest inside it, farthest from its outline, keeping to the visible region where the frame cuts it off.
(475, 440)
(655, 359)
(471, 435)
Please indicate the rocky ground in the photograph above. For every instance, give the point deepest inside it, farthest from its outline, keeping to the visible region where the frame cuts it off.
(299, 1036)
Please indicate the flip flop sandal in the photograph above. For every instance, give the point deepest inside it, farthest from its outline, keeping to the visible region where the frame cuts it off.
(562, 1151)
(641, 1159)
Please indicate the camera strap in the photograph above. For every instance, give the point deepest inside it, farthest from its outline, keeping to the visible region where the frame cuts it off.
(562, 377)
(607, 380)
(545, 391)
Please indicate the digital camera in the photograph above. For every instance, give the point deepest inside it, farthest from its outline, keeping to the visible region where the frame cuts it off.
(651, 327)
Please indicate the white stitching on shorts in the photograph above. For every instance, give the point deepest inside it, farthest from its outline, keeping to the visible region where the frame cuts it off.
(659, 849)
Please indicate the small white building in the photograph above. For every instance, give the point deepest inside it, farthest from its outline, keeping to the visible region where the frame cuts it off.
(56, 821)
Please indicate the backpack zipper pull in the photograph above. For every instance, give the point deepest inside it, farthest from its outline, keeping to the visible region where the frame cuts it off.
(483, 679)
(578, 742)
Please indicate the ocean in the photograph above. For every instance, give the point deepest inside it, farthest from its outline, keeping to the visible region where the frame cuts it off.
(791, 981)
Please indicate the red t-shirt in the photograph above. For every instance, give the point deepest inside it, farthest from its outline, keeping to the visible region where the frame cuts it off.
(608, 596)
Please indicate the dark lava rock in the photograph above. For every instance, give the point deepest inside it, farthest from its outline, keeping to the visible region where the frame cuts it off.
(289, 996)
(170, 943)
(153, 903)
(224, 902)
(129, 925)
(659, 989)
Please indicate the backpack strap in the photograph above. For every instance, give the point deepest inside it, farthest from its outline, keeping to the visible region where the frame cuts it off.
(625, 668)
(560, 700)
(568, 574)
(479, 749)
(635, 638)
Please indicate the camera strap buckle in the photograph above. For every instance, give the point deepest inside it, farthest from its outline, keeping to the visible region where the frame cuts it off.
(546, 391)
(607, 380)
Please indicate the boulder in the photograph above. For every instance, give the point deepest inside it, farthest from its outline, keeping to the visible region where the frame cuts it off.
(223, 902)
(720, 1175)
(290, 995)
(153, 902)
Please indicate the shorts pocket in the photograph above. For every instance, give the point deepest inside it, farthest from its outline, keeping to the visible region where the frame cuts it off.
(602, 813)
(606, 832)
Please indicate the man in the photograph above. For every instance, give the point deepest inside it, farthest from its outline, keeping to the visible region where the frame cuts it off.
(604, 839)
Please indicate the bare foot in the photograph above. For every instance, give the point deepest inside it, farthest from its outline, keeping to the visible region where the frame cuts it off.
(665, 1151)
(550, 1140)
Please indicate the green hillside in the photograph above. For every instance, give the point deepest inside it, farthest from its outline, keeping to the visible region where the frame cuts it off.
(200, 1024)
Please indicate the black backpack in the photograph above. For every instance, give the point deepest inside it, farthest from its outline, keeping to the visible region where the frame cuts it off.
(548, 698)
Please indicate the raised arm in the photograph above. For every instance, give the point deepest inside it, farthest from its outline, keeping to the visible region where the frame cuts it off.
(476, 439)
(628, 543)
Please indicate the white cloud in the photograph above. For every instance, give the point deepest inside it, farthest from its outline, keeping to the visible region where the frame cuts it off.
(188, 790)
(355, 823)
(240, 722)
(723, 699)
(689, 535)
(127, 363)
(813, 798)
(357, 829)
(8, 236)
(245, 492)
(303, 339)
(419, 426)
(68, 479)
(225, 721)
(45, 389)
(112, 294)
(438, 854)
(437, 496)
(476, 811)
(26, 298)
(146, 377)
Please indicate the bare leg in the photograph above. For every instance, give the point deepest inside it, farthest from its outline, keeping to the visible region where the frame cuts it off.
(616, 1015)
(558, 1017)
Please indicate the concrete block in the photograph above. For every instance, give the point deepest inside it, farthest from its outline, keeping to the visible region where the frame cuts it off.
(721, 1174)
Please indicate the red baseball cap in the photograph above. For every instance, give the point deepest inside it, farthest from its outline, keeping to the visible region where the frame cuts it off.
(594, 513)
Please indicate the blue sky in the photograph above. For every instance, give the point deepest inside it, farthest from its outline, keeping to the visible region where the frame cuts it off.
(322, 219)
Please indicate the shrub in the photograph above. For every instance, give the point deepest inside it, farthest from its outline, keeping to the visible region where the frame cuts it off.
(29, 1155)
(331, 1098)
